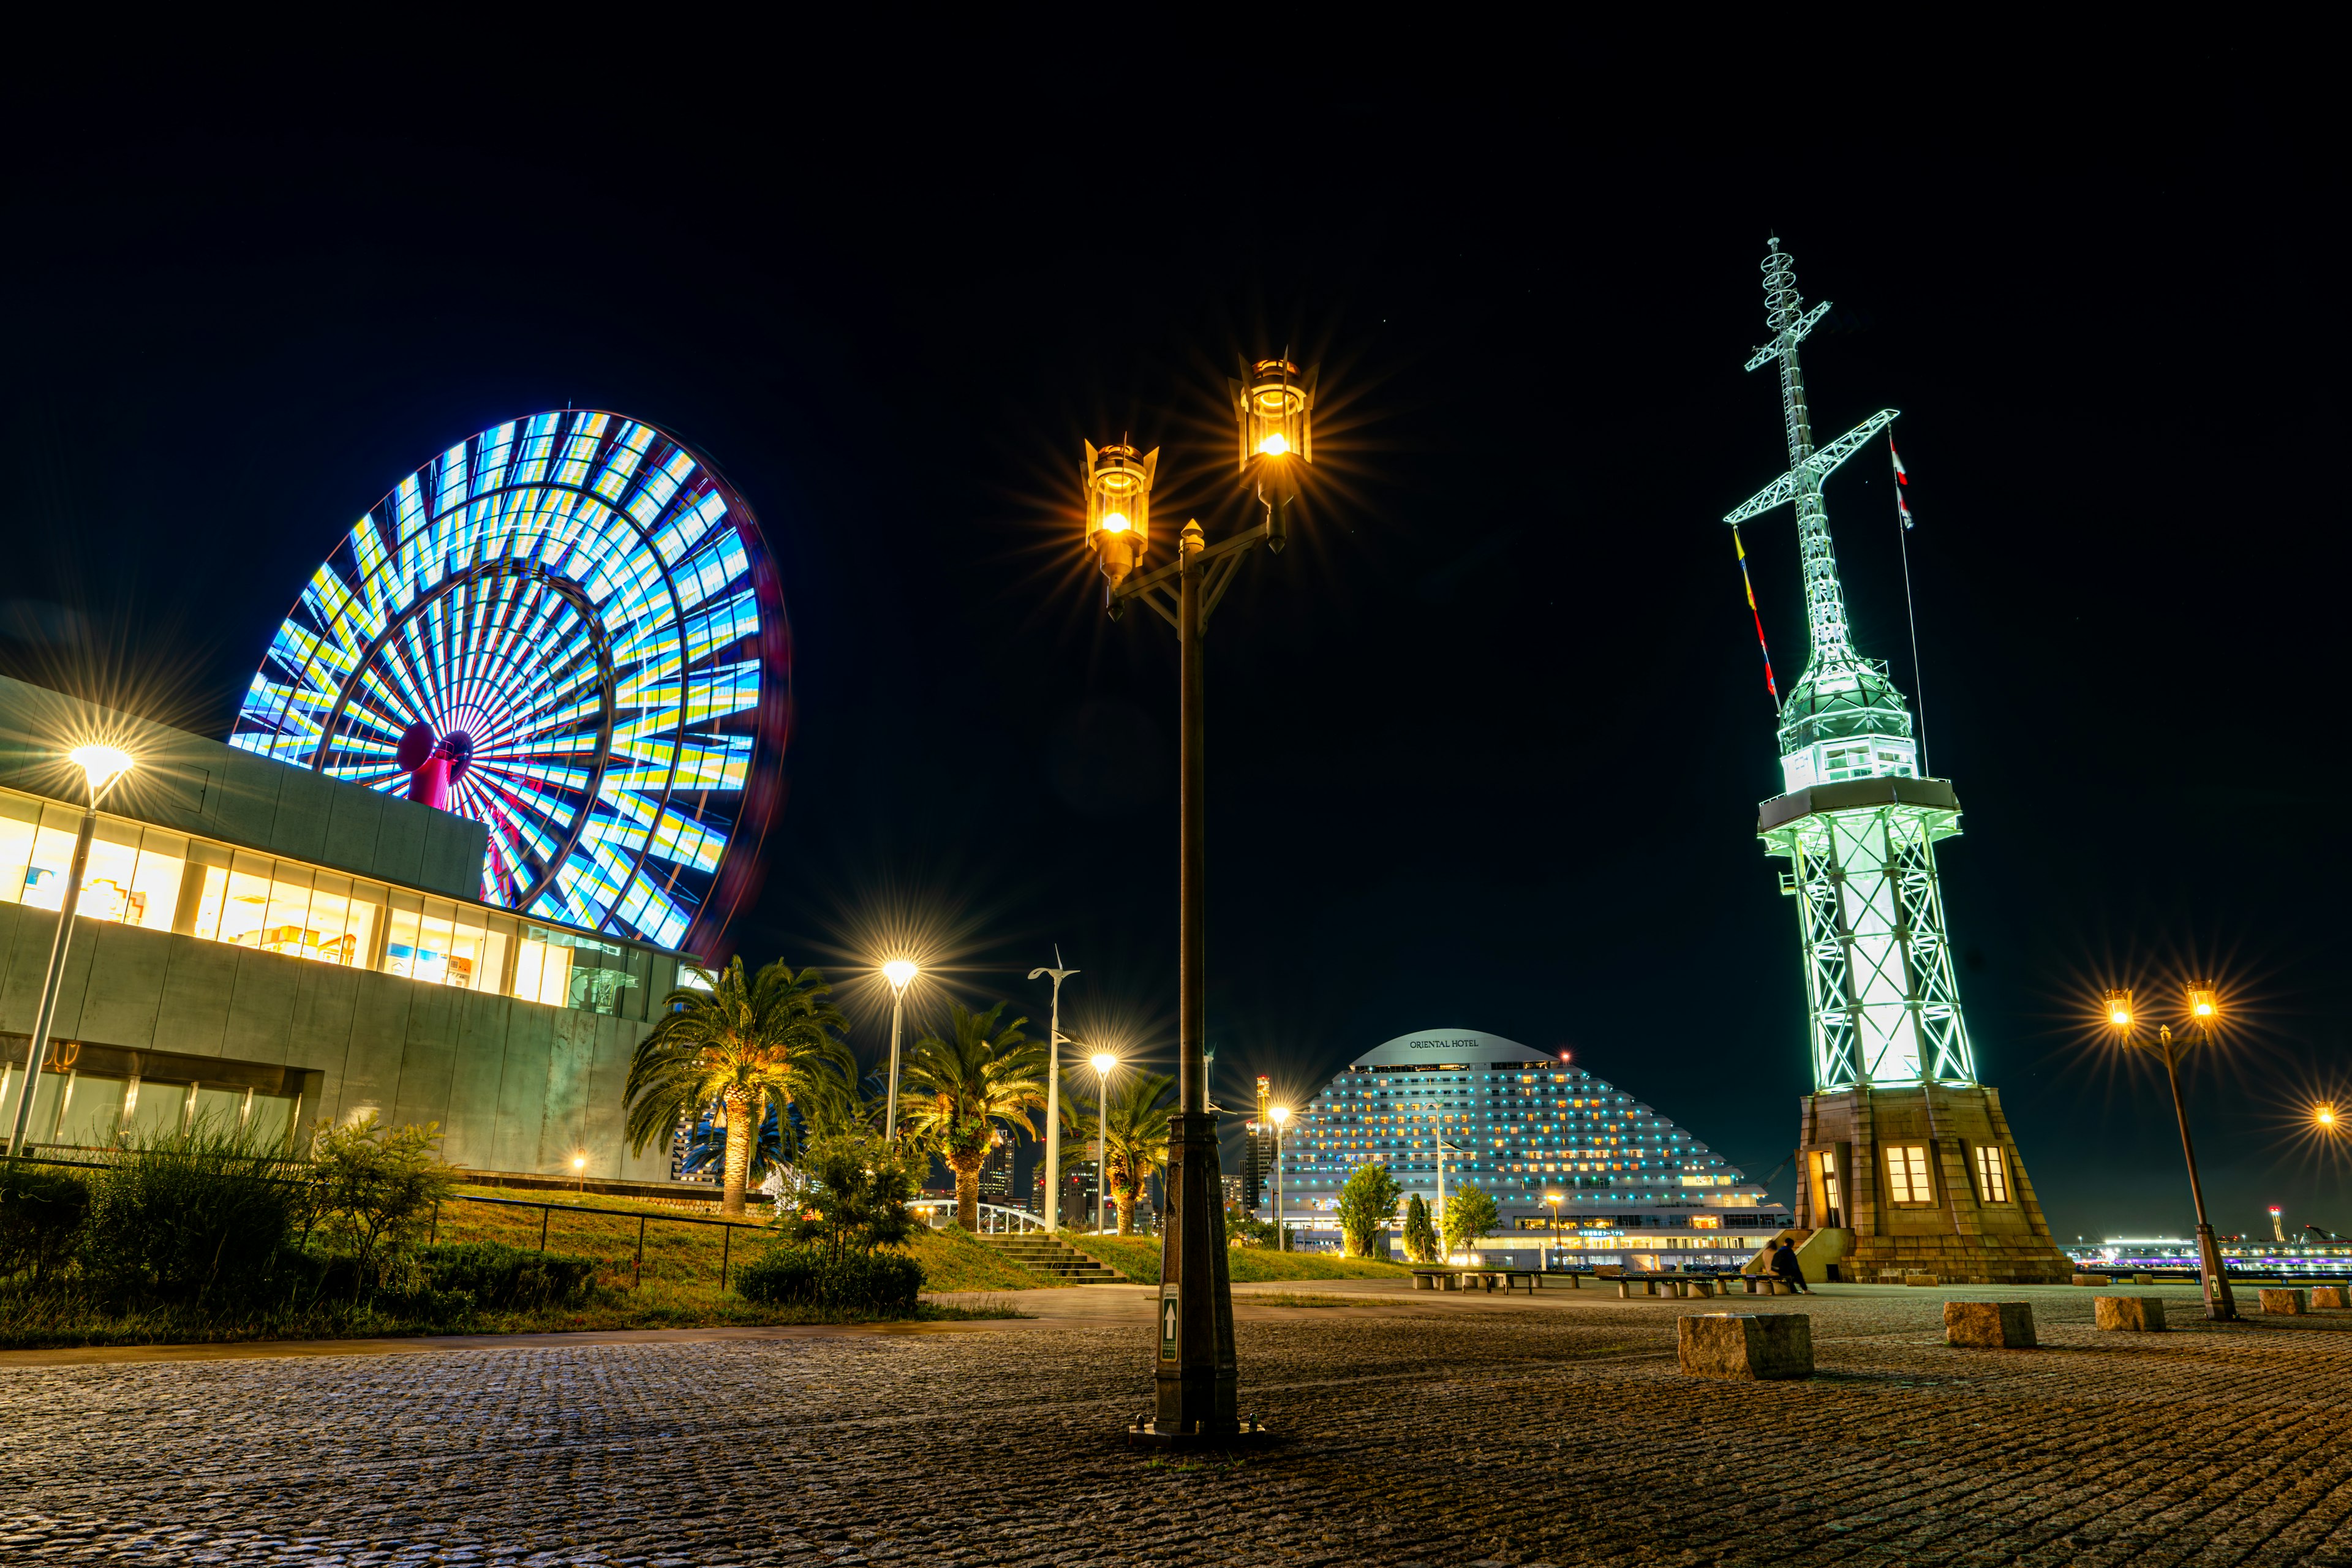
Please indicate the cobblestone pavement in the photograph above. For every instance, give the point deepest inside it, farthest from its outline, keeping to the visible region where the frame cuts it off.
(1422, 1430)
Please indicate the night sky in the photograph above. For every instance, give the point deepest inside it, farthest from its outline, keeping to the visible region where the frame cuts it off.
(1487, 743)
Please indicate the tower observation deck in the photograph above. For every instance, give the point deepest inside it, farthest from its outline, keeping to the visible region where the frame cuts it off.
(1908, 1160)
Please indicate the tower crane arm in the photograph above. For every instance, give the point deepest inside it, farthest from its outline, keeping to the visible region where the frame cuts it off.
(1789, 338)
(1814, 469)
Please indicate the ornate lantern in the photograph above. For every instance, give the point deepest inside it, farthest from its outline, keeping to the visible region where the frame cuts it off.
(1118, 506)
(1272, 402)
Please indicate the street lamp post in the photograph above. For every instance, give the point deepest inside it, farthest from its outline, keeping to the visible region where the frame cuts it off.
(1280, 1115)
(1194, 1373)
(101, 766)
(900, 973)
(1103, 1061)
(2204, 1009)
(1553, 1199)
(1054, 1093)
(1444, 1148)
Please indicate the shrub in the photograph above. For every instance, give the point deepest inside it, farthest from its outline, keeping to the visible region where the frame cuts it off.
(191, 1218)
(504, 1278)
(373, 1191)
(884, 1283)
(41, 1216)
(1420, 1234)
(858, 1200)
(1248, 1230)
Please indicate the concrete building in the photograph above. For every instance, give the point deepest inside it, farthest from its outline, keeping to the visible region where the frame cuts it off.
(259, 943)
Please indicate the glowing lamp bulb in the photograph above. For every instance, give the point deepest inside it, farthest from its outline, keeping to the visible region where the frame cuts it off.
(2118, 1017)
(101, 765)
(900, 973)
(1103, 1061)
(1275, 444)
(579, 1162)
(1281, 1113)
(1115, 523)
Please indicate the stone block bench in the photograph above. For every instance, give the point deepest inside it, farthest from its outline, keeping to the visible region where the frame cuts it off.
(2092, 1279)
(1745, 1346)
(2330, 1295)
(2285, 1303)
(1989, 1325)
(2129, 1314)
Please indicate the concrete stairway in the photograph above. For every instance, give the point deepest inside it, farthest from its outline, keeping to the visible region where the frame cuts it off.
(1051, 1255)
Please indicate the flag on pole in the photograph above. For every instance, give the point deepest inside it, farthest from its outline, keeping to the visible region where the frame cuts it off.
(1901, 481)
(1749, 583)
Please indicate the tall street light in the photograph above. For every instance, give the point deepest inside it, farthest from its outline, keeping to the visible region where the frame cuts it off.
(1280, 1114)
(1054, 1093)
(1444, 1148)
(1194, 1373)
(1553, 1199)
(900, 973)
(101, 766)
(1103, 1062)
(2204, 1008)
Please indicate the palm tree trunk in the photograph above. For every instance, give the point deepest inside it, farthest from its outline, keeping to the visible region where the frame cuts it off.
(968, 1198)
(1126, 1205)
(736, 1170)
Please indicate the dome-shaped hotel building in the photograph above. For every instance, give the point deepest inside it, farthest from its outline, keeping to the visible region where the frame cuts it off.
(1521, 1124)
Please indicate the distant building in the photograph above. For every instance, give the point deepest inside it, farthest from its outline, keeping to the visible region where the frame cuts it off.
(1078, 1195)
(1232, 1186)
(1257, 1164)
(1522, 1124)
(996, 1173)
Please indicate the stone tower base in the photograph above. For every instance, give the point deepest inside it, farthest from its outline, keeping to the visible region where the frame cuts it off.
(1925, 1179)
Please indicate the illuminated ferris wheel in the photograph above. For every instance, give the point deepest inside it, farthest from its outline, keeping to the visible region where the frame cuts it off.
(567, 629)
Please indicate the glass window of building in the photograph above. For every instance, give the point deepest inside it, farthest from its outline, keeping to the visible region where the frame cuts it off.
(1906, 1174)
(1992, 1175)
(245, 909)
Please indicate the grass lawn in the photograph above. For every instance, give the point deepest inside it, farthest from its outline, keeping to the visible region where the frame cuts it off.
(1137, 1257)
(690, 1254)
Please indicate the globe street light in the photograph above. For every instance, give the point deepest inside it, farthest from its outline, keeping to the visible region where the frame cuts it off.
(1103, 1062)
(1194, 1373)
(1054, 1093)
(101, 766)
(2204, 1009)
(900, 973)
(1279, 1114)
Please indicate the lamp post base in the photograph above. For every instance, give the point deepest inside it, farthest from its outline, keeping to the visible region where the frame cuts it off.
(1247, 1432)
(1193, 1375)
(2220, 1305)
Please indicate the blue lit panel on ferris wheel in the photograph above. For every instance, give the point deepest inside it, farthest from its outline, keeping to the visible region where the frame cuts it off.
(567, 629)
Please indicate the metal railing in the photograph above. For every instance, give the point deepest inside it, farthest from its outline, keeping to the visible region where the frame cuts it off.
(547, 1214)
(996, 1219)
(637, 1269)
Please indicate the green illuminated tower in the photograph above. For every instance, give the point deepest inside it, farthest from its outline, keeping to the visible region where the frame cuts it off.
(1908, 1162)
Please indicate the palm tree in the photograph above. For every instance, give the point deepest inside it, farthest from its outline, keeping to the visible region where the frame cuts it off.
(741, 1044)
(1135, 1148)
(960, 1088)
